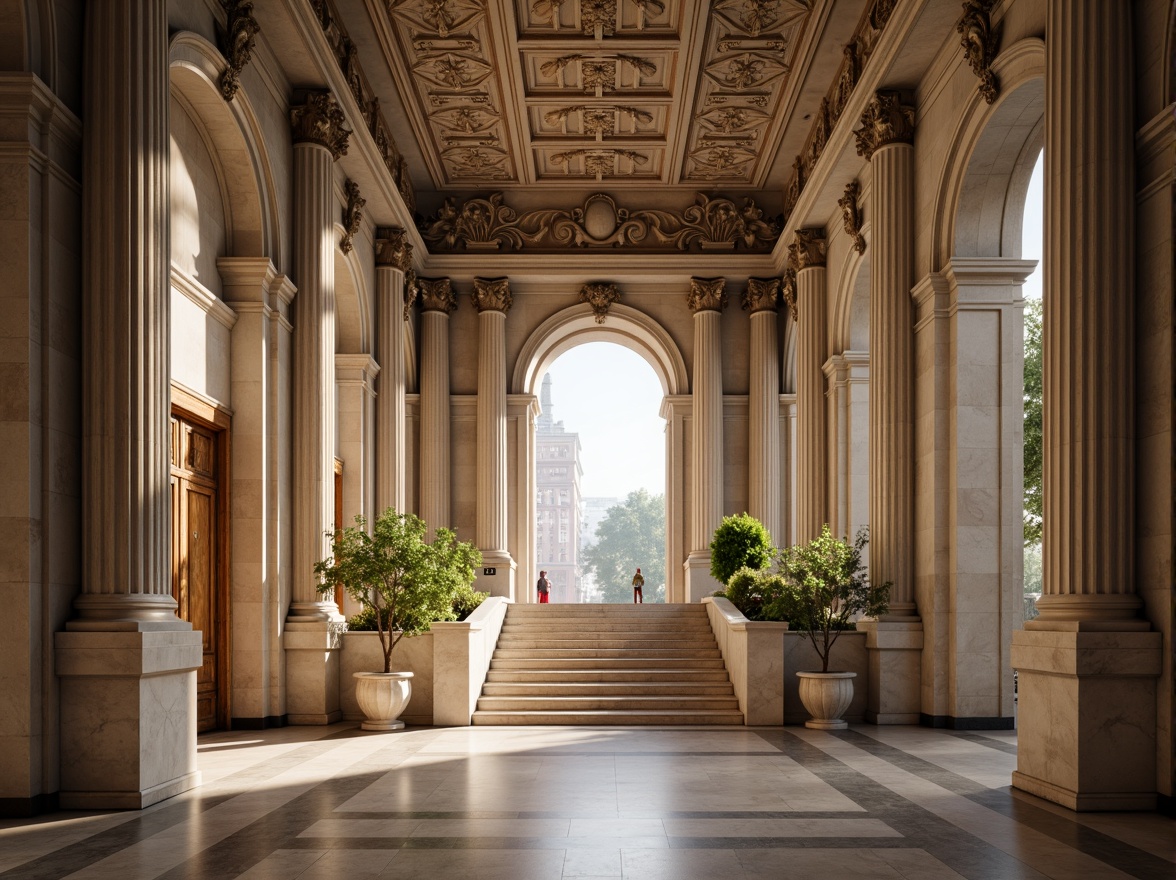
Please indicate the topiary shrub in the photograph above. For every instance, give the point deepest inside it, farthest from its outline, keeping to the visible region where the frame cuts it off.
(755, 593)
(739, 541)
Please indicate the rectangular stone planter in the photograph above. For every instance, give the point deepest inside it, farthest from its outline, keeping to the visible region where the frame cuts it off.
(361, 653)
(753, 651)
(849, 655)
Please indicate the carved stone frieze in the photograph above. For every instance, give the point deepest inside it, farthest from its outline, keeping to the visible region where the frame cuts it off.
(980, 39)
(886, 120)
(393, 248)
(600, 295)
(436, 295)
(707, 294)
(761, 295)
(788, 291)
(492, 295)
(352, 215)
(851, 215)
(600, 163)
(240, 34)
(320, 121)
(808, 248)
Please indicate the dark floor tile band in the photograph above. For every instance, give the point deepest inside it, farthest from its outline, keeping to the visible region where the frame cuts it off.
(986, 741)
(962, 722)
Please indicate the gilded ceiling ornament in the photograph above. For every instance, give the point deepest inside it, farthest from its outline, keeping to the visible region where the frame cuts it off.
(852, 216)
(761, 295)
(788, 291)
(352, 215)
(597, 120)
(492, 295)
(759, 15)
(598, 17)
(393, 248)
(981, 41)
(436, 295)
(598, 70)
(240, 35)
(808, 248)
(438, 14)
(599, 163)
(548, 9)
(320, 121)
(886, 121)
(707, 295)
(730, 119)
(744, 72)
(454, 72)
(483, 224)
(600, 295)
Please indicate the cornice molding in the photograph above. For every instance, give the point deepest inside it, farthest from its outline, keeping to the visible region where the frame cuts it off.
(320, 121)
(707, 295)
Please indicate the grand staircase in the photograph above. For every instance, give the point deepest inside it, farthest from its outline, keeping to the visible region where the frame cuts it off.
(607, 664)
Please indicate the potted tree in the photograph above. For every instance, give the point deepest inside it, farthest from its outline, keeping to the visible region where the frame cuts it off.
(825, 587)
(405, 583)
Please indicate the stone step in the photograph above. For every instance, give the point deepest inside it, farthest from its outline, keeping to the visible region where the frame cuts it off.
(688, 688)
(605, 703)
(576, 676)
(616, 612)
(625, 661)
(602, 642)
(617, 653)
(577, 625)
(631, 717)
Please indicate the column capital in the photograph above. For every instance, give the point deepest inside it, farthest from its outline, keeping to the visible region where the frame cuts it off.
(762, 295)
(436, 295)
(707, 295)
(492, 295)
(788, 290)
(886, 120)
(808, 249)
(393, 248)
(320, 121)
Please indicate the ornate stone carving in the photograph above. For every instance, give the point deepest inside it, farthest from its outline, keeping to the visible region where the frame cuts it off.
(412, 291)
(981, 42)
(598, 17)
(240, 35)
(761, 295)
(352, 215)
(788, 291)
(881, 13)
(597, 121)
(320, 121)
(598, 71)
(808, 248)
(707, 294)
(852, 216)
(600, 295)
(599, 163)
(492, 295)
(886, 120)
(393, 248)
(436, 295)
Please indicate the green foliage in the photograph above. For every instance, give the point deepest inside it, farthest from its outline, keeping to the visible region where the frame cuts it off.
(1033, 573)
(632, 535)
(825, 586)
(465, 600)
(404, 582)
(739, 541)
(363, 621)
(1033, 437)
(753, 592)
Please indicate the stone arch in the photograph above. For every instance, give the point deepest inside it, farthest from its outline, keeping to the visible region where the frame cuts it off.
(353, 312)
(625, 326)
(850, 321)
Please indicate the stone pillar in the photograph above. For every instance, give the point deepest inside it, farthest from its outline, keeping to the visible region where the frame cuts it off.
(492, 299)
(848, 382)
(707, 299)
(1088, 665)
(393, 261)
(895, 642)
(808, 259)
(356, 376)
(312, 625)
(126, 662)
(437, 301)
(763, 406)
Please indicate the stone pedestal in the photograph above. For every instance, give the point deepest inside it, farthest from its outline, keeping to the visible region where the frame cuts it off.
(895, 651)
(312, 667)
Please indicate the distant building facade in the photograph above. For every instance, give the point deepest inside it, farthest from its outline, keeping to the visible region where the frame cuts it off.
(558, 515)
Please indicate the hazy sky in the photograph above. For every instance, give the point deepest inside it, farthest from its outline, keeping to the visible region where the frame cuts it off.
(1031, 231)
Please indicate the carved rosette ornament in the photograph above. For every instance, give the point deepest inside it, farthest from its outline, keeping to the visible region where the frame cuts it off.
(851, 215)
(808, 248)
(240, 35)
(886, 121)
(436, 295)
(788, 291)
(393, 248)
(320, 121)
(600, 295)
(707, 294)
(352, 215)
(981, 41)
(492, 295)
(598, 17)
(761, 295)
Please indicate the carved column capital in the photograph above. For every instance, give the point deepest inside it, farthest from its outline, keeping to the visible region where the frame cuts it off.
(788, 291)
(707, 294)
(436, 295)
(761, 295)
(600, 295)
(886, 121)
(808, 248)
(320, 121)
(393, 248)
(492, 295)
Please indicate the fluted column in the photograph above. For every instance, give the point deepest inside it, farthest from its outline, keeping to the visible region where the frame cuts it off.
(393, 260)
(808, 259)
(707, 299)
(437, 301)
(492, 299)
(763, 405)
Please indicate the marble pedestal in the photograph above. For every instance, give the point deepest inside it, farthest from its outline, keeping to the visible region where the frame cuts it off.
(502, 581)
(894, 649)
(699, 581)
(1087, 717)
(128, 716)
(312, 672)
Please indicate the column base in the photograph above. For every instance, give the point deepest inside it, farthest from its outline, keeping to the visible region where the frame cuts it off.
(496, 575)
(1087, 717)
(312, 672)
(700, 583)
(128, 715)
(894, 650)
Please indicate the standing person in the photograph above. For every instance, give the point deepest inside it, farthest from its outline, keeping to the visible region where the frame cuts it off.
(544, 588)
(638, 583)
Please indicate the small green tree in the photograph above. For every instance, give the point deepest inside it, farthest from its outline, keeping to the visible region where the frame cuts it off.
(631, 535)
(404, 581)
(739, 541)
(825, 586)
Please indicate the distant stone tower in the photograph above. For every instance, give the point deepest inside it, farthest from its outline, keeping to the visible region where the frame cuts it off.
(558, 507)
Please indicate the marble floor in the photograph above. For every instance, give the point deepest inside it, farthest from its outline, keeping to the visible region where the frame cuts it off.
(634, 803)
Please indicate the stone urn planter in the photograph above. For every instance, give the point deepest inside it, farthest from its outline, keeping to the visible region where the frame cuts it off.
(826, 696)
(382, 696)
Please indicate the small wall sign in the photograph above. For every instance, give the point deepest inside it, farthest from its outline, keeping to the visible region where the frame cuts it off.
(489, 571)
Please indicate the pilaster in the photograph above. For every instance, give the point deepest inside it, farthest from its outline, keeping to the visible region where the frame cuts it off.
(393, 261)
(763, 405)
(437, 301)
